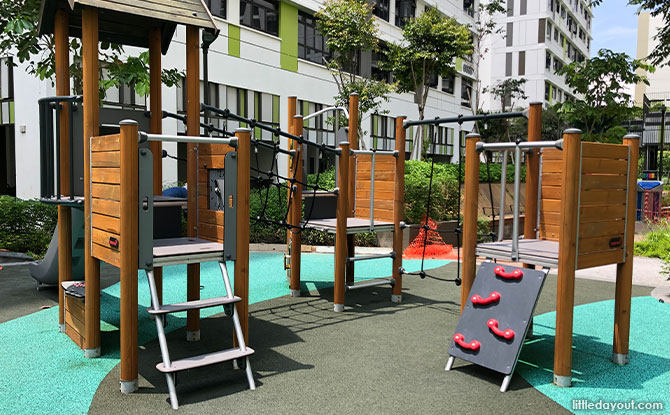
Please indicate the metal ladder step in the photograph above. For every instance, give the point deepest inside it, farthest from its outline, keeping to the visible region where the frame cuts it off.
(205, 360)
(368, 257)
(194, 305)
(385, 281)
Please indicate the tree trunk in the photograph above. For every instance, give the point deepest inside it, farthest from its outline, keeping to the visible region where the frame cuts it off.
(417, 150)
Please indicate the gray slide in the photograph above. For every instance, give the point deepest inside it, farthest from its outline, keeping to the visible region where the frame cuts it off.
(45, 272)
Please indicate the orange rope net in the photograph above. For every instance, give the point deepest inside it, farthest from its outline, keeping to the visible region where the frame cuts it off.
(436, 248)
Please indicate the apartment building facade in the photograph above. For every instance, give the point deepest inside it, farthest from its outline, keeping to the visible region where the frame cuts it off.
(266, 51)
(538, 38)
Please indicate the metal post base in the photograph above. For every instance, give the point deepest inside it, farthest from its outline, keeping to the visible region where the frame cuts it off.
(620, 359)
(396, 298)
(61, 328)
(562, 381)
(338, 308)
(193, 336)
(129, 386)
(295, 293)
(450, 363)
(92, 353)
(505, 383)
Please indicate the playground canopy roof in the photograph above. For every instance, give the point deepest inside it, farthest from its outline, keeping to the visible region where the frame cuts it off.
(129, 22)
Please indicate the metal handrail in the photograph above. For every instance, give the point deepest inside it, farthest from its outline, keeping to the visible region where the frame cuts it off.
(145, 137)
(325, 110)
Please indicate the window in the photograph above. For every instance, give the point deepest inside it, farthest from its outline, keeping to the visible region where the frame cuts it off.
(540, 30)
(555, 34)
(376, 72)
(509, 37)
(466, 93)
(432, 80)
(524, 7)
(522, 63)
(261, 15)
(510, 7)
(469, 7)
(217, 7)
(547, 62)
(548, 30)
(317, 129)
(6, 79)
(381, 8)
(448, 83)
(124, 95)
(508, 64)
(404, 10)
(547, 91)
(311, 45)
(382, 132)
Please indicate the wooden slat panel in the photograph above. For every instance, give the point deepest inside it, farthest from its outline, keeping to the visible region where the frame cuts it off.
(75, 320)
(211, 232)
(601, 212)
(378, 204)
(380, 214)
(549, 232)
(106, 143)
(107, 255)
(551, 154)
(108, 175)
(552, 166)
(72, 333)
(604, 166)
(597, 259)
(551, 206)
(603, 197)
(379, 194)
(213, 161)
(106, 223)
(597, 244)
(207, 149)
(552, 179)
(552, 192)
(383, 186)
(602, 150)
(211, 217)
(380, 176)
(601, 181)
(106, 191)
(594, 229)
(550, 218)
(106, 207)
(101, 238)
(106, 159)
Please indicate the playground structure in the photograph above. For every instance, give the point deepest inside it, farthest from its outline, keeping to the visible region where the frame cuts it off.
(580, 213)
(370, 197)
(121, 175)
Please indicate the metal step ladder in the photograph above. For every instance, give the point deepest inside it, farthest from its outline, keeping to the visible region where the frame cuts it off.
(240, 355)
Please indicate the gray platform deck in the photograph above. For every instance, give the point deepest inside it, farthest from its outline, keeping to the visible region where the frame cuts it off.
(174, 251)
(354, 225)
(531, 251)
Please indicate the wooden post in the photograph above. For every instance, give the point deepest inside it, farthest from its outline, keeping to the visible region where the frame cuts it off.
(296, 212)
(156, 106)
(470, 214)
(398, 208)
(532, 171)
(624, 271)
(341, 227)
(192, 129)
(90, 75)
(353, 142)
(242, 263)
(129, 255)
(567, 256)
(292, 106)
(62, 64)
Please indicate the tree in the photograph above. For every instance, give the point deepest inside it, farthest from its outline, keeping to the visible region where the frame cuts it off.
(661, 54)
(349, 28)
(485, 26)
(506, 90)
(601, 81)
(431, 43)
(18, 37)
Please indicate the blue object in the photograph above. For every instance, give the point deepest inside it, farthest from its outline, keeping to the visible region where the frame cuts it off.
(647, 185)
(176, 192)
(648, 199)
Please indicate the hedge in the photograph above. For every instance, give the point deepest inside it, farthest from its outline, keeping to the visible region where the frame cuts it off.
(26, 225)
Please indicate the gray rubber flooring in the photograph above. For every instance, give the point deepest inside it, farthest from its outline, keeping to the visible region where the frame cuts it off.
(375, 358)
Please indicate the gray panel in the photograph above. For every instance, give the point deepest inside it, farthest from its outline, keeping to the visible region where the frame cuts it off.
(522, 63)
(215, 188)
(145, 208)
(514, 310)
(510, 34)
(508, 64)
(523, 8)
(230, 208)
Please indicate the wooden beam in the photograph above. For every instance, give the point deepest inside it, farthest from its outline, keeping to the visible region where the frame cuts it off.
(341, 227)
(624, 271)
(90, 75)
(398, 208)
(296, 212)
(192, 129)
(353, 142)
(567, 256)
(242, 263)
(469, 266)
(129, 255)
(62, 64)
(532, 171)
(292, 107)
(156, 107)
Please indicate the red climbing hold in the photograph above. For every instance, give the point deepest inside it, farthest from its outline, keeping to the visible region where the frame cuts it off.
(493, 297)
(514, 275)
(506, 334)
(460, 340)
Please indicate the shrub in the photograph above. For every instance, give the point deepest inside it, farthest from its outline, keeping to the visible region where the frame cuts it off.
(444, 192)
(26, 225)
(326, 179)
(656, 244)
